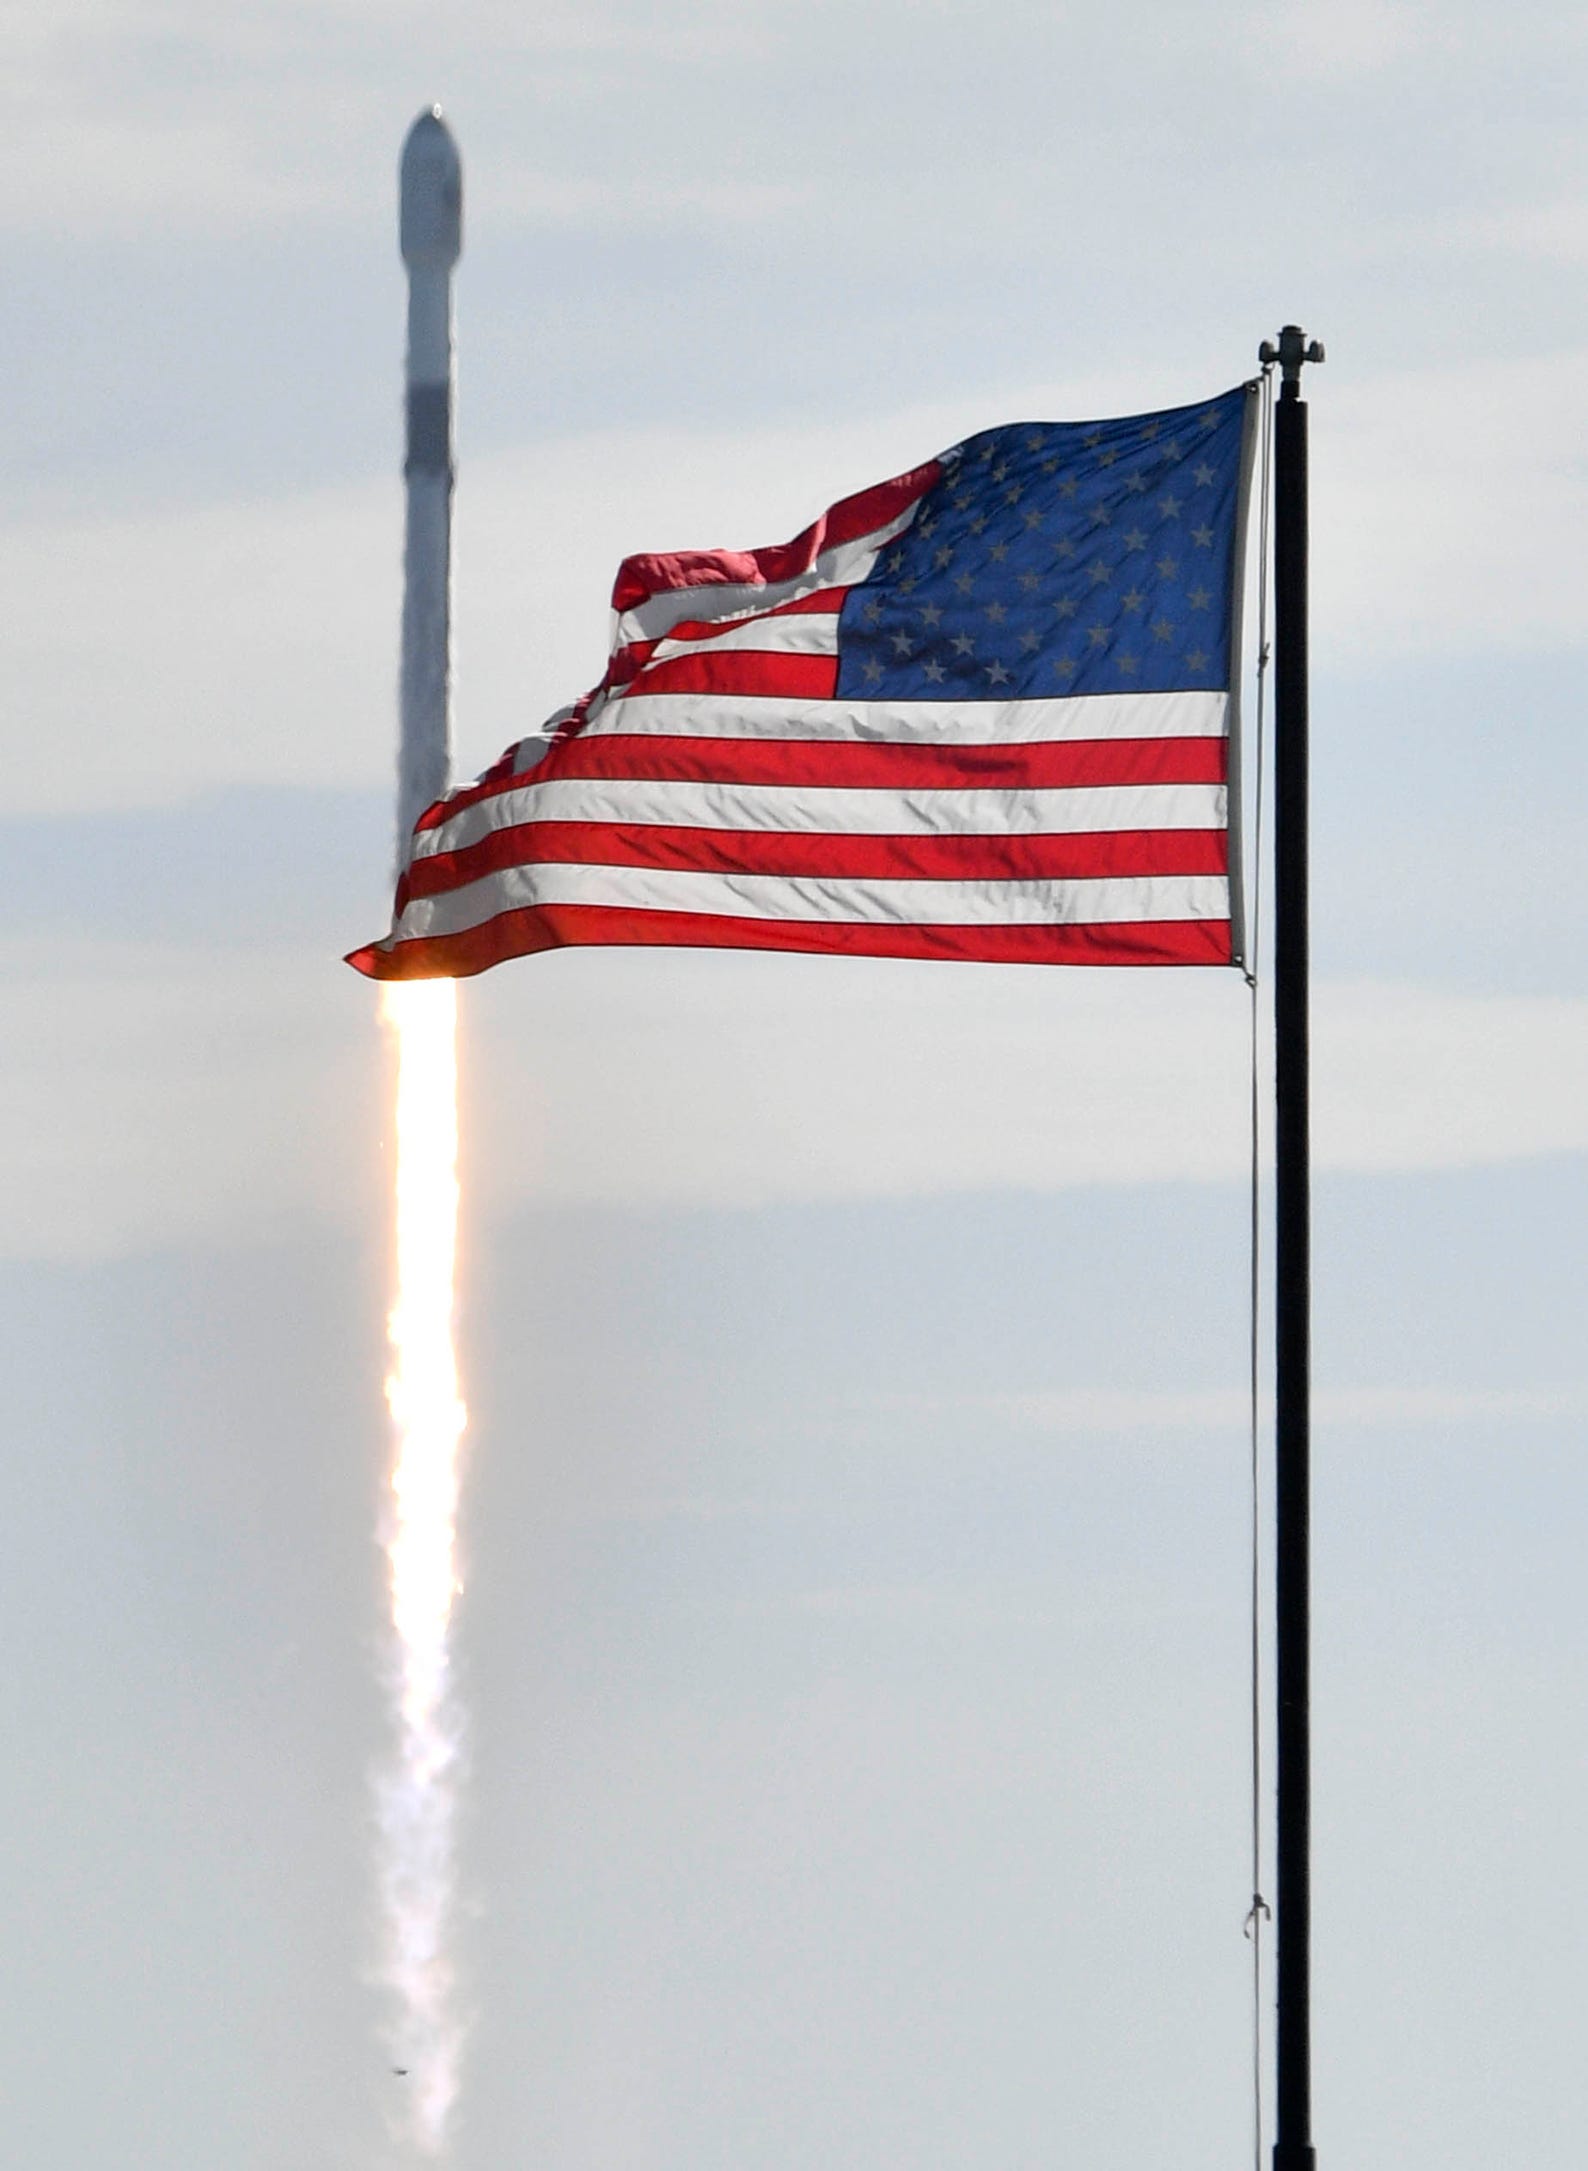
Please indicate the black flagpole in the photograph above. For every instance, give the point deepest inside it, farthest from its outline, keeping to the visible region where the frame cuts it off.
(1292, 1262)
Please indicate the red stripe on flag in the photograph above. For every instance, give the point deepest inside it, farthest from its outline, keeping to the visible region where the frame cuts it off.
(549, 927)
(745, 671)
(656, 572)
(1029, 765)
(1032, 765)
(1083, 857)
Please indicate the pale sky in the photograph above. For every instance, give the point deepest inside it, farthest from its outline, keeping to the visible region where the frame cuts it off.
(854, 1633)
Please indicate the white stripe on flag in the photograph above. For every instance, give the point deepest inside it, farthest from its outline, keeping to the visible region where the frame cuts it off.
(807, 810)
(914, 723)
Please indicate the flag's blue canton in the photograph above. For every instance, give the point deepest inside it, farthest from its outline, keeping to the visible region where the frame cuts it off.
(1059, 558)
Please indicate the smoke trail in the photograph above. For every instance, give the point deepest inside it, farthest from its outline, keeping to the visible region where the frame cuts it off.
(416, 1795)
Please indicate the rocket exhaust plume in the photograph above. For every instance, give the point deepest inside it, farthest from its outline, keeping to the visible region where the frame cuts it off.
(416, 1796)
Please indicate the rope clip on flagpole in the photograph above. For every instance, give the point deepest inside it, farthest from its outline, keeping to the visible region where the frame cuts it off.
(1293, 2149)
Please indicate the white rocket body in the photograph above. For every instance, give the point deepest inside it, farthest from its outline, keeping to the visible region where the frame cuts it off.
(432, 241)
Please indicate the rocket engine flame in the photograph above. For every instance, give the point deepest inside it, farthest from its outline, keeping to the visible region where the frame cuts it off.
(416, 1795)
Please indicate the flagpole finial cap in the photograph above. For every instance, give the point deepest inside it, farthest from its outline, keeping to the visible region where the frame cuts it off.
(1293, 348)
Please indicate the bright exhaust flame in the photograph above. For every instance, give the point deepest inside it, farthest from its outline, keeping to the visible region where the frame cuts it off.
(417, 1794)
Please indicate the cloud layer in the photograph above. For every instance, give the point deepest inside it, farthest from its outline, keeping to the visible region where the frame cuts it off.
(157, 1093)
(172, 652)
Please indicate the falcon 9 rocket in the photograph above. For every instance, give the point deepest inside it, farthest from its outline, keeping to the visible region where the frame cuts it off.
(432, 241)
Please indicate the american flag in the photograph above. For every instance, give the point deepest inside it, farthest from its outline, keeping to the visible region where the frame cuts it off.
(983, 711)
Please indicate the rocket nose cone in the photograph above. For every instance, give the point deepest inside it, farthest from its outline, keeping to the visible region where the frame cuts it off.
(431, 193)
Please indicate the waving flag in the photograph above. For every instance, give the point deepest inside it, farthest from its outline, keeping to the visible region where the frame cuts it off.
(984, 711)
